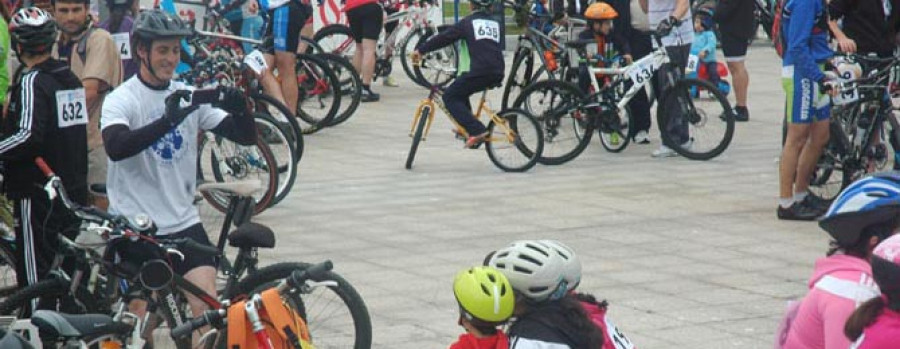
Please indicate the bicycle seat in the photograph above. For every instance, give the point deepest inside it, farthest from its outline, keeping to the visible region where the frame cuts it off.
(98, 188)
(51, 324)
(239, 188)
(251, 235)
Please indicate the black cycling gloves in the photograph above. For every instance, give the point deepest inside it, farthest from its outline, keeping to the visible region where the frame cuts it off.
(175, 114)
(233, 101)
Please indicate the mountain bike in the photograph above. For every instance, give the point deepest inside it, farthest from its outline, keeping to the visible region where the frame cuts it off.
(514, 141)
(568, 115)
(862, 127)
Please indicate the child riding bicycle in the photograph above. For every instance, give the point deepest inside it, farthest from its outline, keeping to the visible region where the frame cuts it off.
(480, 64)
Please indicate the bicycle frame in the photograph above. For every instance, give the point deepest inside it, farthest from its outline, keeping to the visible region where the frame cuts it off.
(429, 103)
(643, 69)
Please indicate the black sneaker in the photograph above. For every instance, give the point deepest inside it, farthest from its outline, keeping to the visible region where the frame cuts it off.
(741, 114)
(817, 203)
(369, 96)
(799, 211)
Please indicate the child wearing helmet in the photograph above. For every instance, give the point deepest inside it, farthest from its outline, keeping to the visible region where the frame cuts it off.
(864, 214)
(486, 301)
(610, 44)
(876, 323)
(481, 64)
(545, 316)
(704, 45)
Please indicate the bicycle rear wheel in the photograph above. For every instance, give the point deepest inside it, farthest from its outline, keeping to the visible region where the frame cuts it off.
(696, 128)
(351, 86)
(222, 160)
(265, 104)
(515, 143)
(437, 68)
(567, 130)
(319, 92)
(335, 313)
(409, 45)
(337, 39)
(519, 76)
(277, 139)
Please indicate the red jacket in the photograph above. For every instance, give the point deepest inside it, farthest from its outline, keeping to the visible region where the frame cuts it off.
(469, 341)
(613, 338)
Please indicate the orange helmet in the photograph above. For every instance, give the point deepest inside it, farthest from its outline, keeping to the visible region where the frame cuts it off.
(600, 11)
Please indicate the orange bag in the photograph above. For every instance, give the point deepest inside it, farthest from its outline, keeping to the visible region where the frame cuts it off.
(285, 327)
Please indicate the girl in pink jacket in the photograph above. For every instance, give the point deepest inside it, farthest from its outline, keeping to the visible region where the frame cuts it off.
(876, 323)
(863, 215)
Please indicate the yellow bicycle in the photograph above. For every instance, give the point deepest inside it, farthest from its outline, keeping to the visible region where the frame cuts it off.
(514, 142)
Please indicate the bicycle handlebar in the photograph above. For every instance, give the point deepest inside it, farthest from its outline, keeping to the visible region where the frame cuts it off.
(210, 317)
(189, 245)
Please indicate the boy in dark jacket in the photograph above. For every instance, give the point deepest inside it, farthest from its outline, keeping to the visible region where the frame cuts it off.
(480, 64)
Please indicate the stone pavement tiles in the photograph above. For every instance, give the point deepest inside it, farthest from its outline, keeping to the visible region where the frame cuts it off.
(688, 253)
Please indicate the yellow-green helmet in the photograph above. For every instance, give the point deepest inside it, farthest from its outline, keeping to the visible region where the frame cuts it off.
(484, 294)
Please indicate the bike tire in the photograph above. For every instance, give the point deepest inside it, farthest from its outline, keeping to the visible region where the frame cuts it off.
(312, 47)
(527, 140)
(409, 45)
(424, 114)
(434, 69)
(319, 94)
(51, 294)
(337, 39)
(523, 62)
(265, 161)
(351, 86)
(277, 138)
(677, 97)
(608, 139)
(308, 304)
(562, 114)
(272, 107)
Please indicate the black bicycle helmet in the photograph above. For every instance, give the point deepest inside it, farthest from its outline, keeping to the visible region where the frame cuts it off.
(33, 30)
(486, 4)
(156, 24)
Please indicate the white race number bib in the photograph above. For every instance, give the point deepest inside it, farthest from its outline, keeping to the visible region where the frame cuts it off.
(641, 72)
(692, 63)
(71, 108)
(123, 44)
(618, 338)
(256, 61)
(486, 29)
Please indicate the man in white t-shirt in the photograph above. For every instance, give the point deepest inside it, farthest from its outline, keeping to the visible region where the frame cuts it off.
(151, 141)
(673, 16)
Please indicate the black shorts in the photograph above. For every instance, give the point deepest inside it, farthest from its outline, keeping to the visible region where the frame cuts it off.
(365, 22)
(283, 29)
(735, 49)
(191, 260)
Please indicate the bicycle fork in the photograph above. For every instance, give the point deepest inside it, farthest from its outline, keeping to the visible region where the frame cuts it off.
(425, 109)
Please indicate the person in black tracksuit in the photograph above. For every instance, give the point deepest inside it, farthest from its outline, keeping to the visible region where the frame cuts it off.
(40, 125)
(868, 26)
(480, 64)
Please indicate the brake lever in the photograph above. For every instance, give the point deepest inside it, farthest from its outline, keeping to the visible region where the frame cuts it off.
(176, 252)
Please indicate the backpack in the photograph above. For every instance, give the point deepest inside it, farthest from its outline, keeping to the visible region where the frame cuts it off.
(286, 328)
(777, 34)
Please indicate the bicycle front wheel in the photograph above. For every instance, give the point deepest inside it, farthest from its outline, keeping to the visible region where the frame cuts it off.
(519, 76)
(566, 128)
(222, 160)
(337, 39)
(696, 128)
(350, 86)
(409, 45)
(265, 104)
(335, 313)
(417, 135)
(515, 141)
(319, 94)
(277, 139)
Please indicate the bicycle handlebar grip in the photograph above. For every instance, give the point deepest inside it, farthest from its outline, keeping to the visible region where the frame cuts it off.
(194, 246)
(299, 277)
(186, 328)
(41, 164)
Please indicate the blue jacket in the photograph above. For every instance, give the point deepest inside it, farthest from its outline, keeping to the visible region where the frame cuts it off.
(704, 41)
(805, 30)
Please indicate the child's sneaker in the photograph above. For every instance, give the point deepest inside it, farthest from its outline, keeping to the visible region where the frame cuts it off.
(642, 137)
(389, 81)
(474, 142)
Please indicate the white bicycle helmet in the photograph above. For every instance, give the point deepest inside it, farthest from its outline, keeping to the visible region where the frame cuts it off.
(572, 267)
(534, 269)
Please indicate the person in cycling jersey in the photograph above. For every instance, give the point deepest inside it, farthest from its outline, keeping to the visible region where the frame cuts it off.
(150, 136)
(876, 323)
(41, 122)
(366, 19)
(285, 20)
(864, 214)
(545, 317)
(480, 64)
(486, 301)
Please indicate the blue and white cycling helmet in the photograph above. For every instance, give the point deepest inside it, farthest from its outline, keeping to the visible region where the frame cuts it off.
(870, 201)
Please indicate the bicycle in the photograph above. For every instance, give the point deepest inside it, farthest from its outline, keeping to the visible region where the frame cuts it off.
(244, 278)
(337, 39)
(510, 129)
(568, 115)
(861, 122)
(552, 60)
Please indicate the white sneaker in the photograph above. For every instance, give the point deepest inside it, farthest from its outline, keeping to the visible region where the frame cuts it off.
(642, 137)
(664, 152)
(389, 81)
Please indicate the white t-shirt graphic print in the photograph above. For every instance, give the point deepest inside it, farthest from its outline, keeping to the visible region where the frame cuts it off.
(161, 180)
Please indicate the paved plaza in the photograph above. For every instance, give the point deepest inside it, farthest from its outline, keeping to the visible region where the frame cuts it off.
(688, 253)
